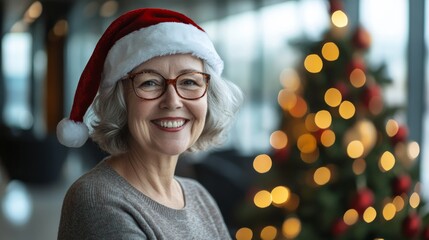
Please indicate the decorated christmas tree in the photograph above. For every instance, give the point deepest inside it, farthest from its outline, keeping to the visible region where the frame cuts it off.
(341, 165)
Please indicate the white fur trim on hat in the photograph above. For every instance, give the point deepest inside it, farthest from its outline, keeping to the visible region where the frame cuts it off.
(157, 40)
(71, 133)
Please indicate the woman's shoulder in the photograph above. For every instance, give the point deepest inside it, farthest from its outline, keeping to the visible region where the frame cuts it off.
(94, 186)
(189, 183)
(194, 189)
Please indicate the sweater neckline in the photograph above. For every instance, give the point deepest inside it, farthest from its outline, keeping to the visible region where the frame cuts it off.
(156, 205)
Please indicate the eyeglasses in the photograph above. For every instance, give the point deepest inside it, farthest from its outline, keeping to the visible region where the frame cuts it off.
(150, 85)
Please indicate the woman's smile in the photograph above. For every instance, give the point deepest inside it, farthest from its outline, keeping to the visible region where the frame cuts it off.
(170, 124)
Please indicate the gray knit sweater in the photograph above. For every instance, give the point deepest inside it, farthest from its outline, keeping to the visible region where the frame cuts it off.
(103, 205)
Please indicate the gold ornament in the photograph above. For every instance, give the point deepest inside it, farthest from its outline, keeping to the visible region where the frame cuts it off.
(363, 131)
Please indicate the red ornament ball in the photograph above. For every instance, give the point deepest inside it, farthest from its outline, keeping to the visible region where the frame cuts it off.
(401, 135)
(339, 227)
(425, 233)
(361, 39)
(401, 184)
(363, 199)
(343, 88)
(281, 155)
(356, 63)
(411, 225)
(371, 92)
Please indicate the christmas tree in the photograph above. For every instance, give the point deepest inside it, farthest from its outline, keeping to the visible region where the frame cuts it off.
(341, 165)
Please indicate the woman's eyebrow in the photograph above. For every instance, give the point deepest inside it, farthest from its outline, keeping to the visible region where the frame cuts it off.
(188, 70)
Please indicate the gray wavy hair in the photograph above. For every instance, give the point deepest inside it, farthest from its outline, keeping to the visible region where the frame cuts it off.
(108, 116)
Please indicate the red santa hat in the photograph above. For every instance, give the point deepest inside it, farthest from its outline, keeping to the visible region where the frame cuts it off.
(130, 40)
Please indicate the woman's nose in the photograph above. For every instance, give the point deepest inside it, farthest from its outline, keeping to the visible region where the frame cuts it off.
(171, 99)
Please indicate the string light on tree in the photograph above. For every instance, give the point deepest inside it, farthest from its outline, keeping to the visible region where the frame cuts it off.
(339, 19)
(269, 233)
(244, 234)
(313, 63)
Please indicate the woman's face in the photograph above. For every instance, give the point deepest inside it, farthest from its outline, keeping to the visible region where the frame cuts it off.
(169, 124)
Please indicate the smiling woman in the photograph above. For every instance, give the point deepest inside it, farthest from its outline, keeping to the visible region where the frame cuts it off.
(155, 90)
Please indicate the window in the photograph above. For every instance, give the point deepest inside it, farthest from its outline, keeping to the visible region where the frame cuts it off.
(387, 24)
(16, 58)
(256, 46)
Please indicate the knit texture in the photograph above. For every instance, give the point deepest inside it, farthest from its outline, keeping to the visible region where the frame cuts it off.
(103, 205)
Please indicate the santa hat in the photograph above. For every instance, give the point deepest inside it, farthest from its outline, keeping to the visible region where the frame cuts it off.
(130, 40)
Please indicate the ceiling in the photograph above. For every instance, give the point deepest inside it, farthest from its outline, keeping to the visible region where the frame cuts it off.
(12, 11)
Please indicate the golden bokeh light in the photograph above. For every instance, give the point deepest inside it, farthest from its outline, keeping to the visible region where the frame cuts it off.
(389, 211)
(33, 12)
(330, 51)
(333, 97)
(310, 157)
(278, 139)
(269, 233)
(313, 63)
(307, 143)
(290, 80)
(262, 163)
(355, 149)
(357, 78)
(414, 200)
(327, 138)
(287, 100)
(401, 152)
(387, 161)
(291, 227)
(61, 28)
(399, 203)
(323, 119)
(339, 19)
(262, 199)
(244, 234)
(322, 176)
(347, 110)
(299, 109)
(280, 195)
(413, 150)
(392, 127)
(350, 217)
(364, 131)
(109, 8)
(359, 166)
(369, 215)
(310, 125)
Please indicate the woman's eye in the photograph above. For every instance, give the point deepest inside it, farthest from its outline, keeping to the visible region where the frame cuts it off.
(149, 83)
(189, 82)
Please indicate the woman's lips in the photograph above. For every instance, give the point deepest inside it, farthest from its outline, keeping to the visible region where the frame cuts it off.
(170, 124)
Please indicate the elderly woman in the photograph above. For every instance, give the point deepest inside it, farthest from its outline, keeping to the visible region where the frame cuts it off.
(154, 82)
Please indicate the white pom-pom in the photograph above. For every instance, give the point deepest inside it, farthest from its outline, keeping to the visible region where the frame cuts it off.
(71, 133)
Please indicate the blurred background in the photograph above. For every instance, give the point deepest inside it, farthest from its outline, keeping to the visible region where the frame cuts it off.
(275, 50)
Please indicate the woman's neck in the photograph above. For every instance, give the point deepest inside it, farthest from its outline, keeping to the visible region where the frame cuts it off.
(153, 176)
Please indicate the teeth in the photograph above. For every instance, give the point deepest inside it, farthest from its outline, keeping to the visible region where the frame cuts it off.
(171, 124)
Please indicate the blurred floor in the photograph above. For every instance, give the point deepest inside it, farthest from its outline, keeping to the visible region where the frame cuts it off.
(31, 211)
